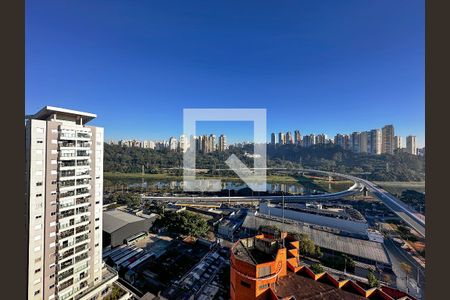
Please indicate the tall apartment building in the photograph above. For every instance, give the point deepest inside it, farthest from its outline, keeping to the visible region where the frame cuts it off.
(411, 145)
(273, 139)
(64, 195)
(222, 145)
(281, 138)
(173, 144)
(387, 142)
(289, 138)
(374, 142)
(321, 138)
(297, 137)
(363, 142)
(183, 143)
(355, 142)
(398, 142)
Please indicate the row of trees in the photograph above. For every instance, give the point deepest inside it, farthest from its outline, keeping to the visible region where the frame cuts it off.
(385, 167)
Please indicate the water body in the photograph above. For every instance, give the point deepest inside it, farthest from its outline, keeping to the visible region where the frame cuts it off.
(272, 187)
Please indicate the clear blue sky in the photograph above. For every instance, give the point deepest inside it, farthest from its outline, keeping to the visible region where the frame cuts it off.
(317, 66)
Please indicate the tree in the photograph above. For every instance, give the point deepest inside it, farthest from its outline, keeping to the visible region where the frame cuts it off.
(372, 279)
(317, 268)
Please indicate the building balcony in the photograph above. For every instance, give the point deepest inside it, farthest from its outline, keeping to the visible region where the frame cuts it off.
(66, 234)
(64, 286)
(84, 135)
(65, 275)
(84, 144)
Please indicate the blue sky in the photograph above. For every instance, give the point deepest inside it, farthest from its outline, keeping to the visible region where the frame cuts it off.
(317, 66)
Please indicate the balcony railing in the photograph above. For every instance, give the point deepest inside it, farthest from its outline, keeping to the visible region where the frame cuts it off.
(66, 264)
(84, 135)
(67, 144)
(82, 163)
(83, 153)
(81, 238)
(66, 194)
(67, 173)
(65, 285)
(81, 257)
(82, 219)
(66, 254)
(66, 234)
(65, 274)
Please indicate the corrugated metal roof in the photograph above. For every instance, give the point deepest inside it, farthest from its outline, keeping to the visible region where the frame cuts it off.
(115, 219)
(357, 247)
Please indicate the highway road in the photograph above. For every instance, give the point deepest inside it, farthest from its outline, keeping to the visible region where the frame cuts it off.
(406, 213)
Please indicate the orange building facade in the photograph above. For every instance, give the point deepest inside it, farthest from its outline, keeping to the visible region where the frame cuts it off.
(263, 267)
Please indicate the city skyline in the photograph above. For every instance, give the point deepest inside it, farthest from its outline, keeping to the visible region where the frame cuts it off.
(320, 67)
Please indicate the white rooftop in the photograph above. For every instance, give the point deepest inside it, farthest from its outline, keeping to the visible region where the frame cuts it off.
(47, 111)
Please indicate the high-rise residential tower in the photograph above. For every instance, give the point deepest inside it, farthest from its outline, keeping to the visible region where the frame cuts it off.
(398, 142)
(411, 146)
(374, 141)
(289, 138)
(297, 137)
(363, 142)
(355, 142)
(222, 146)
(64, 195)
(273, 138)
(387, 142)
(281, 138)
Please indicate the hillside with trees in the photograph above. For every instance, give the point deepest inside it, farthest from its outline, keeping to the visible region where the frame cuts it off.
(385, 167)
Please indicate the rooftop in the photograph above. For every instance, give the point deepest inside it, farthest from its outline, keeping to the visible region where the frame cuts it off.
(356, 247)
(300, 287)
(46, 112)
(115, 219)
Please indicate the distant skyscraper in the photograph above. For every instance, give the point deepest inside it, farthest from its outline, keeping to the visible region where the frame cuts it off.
(321, 138)
(173, 144)
(387, 143)
(374, 141)
(64, 196)
(222, 143)
(355, 142)
(342, 140)
(411, 146)
(363, 142)
(281, 138)
(297, 137)
(289, 138)
(183, 143)
(398, 142)
(212, 143)
(273, 138)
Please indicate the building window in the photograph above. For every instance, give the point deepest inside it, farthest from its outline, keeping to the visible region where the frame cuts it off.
(37, 292)
(39, 183)
(96, 245)
(38, 217)
(38, 195)
(52, 275)
(98, 227)
(37, 271)
(53, 181)
(52, 286)
(37, 260)
(53, 213)
(39, 141)
(264, 286)
(246, 284)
